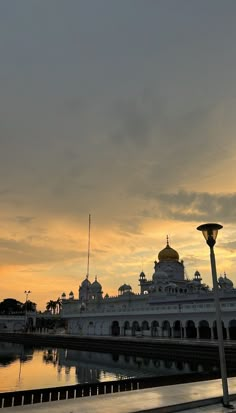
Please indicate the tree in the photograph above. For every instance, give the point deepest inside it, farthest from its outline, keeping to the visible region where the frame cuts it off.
(51, 306)
(58, 305)
(29, 306)
(11, 306)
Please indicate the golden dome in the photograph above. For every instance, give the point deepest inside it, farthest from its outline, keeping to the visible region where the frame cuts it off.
(168, 254)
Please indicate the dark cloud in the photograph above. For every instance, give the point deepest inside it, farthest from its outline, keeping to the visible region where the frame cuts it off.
(195, 206)
(188, 148)
(135, 149)
(122, 118)
(134, 120)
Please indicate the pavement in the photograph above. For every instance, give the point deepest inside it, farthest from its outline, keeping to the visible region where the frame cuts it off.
(196, 397)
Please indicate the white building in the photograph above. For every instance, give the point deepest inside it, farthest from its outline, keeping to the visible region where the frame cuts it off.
(168, 305)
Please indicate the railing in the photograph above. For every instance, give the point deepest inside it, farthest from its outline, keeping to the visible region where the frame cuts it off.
(21, 398)
(24, 397)
(161, 309)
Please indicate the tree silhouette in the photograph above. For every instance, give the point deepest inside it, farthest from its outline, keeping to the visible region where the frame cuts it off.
(29, 306)
(51, 306)
(58, 305)
(11, 306)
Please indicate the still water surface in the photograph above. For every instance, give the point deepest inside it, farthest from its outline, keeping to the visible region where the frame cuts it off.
(23, 368)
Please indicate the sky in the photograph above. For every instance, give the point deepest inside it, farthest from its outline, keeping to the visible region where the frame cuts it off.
(124, 110)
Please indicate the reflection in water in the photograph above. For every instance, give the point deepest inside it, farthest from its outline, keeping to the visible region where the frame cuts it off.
(27, 367)
(10, 352)
(50, 356)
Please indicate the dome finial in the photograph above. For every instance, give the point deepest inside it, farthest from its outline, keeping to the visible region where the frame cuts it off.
(168, 253)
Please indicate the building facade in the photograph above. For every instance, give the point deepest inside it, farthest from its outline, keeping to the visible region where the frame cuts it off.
(168, 305)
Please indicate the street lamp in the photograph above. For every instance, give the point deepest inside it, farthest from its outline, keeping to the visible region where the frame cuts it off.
(26, 292)
(27, 295)
(210, 232)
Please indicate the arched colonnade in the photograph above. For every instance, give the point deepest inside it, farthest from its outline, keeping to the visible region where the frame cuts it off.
(188, 328)
(178, 329)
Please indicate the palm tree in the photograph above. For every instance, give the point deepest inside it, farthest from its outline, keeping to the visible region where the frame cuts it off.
(58, 305)
(51, 306)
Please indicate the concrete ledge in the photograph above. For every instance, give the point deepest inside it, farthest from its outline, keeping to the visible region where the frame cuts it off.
(167, 399)
(185, 406)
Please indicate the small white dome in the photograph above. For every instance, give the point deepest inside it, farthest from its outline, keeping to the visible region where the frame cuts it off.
(171, 285)
(96, 287)
(160, 276)
(86, 283)
(125, 288)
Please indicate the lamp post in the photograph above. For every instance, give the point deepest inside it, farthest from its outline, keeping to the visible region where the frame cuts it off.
(26, 292)
(210, 232)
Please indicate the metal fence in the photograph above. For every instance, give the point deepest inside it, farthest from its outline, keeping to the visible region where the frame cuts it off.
(24, 397)
(21, 398)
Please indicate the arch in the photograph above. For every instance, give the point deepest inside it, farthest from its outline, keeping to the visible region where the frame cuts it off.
(115, 357)
(145, 325)
(191, 331)
(154, 328)
(135, 327)
(127, 358)
(156, 363)
(168, 364)
(115, 328)
(193, 366)
(17, 326)
(146, 361)
(204, 329)
(179, 365)
(166, 329)
(215, 335)
(177, 329)
(30, 323)
(232, 329)
(101, 328)
(126, 327)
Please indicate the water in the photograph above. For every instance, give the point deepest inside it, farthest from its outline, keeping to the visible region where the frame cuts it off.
(23, 368)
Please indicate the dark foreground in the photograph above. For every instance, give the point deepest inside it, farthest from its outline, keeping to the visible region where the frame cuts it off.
(193, 397)
(188, 350)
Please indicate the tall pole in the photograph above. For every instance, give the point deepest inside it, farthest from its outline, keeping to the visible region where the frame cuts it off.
(88, 245)
(26, 301)
(87, 275)
(219, 329)
(210, 232)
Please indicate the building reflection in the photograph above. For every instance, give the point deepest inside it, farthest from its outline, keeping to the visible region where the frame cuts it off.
(95, 367)
(50, 356)
(57, 367)
(10, 352)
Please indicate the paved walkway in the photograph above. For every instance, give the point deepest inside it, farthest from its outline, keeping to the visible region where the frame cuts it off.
(189, 397)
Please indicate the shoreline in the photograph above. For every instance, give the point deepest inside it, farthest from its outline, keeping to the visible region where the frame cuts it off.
(185, 349)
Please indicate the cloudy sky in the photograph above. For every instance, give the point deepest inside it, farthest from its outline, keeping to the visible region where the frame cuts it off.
(125, 110)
